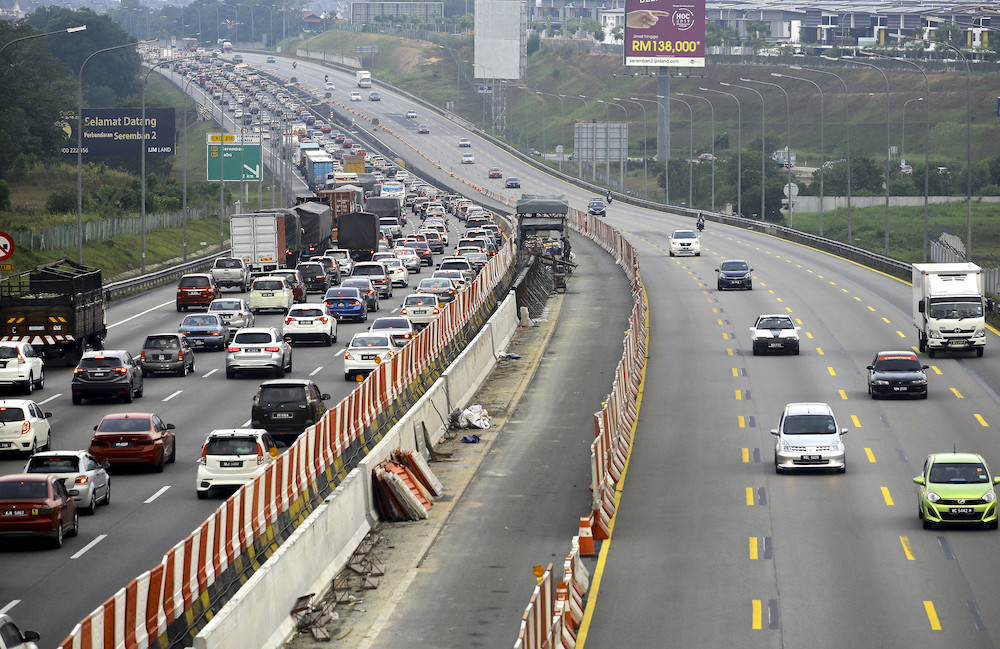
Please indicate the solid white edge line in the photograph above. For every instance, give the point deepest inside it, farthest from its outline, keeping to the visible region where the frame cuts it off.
(11, 604)
(159, 493)
(99, 538)
(171, 396)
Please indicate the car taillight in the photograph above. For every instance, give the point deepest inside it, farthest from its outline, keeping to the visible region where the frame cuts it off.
(355, 302)
(403, 310)
(216, 333)
(204, 455)
(272, 349)
(347, 355)
(81, 479)
(289, 320)
(20, 358)
(121, 370)
(26, 428)
(322, 319)
(79, 370)
(260, 454)
(232, 349)
(406, 335)
(142, 356)
(436, 311)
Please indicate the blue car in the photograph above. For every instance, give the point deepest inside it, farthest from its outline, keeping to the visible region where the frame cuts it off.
(270, 59)
(346, 303)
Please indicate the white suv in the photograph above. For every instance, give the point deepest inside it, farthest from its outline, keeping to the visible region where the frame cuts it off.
(232, 457)
(23, 426)
(807, 437)
(21, 366)
(310, 322)
(685, 242)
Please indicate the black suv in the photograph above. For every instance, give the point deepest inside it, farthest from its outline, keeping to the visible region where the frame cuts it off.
(286, 407)
(108, 373)
(315, 276)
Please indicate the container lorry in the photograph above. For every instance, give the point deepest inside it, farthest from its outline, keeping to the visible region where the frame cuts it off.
(58, 308)
(364, 78)
(318, 164)
(358, 233)
(948, 308)
(266, 241)
(316, 221)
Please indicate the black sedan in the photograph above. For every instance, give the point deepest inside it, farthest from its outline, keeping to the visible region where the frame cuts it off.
(897, 374)
(513, 183)
(734, 273)
(596, 207)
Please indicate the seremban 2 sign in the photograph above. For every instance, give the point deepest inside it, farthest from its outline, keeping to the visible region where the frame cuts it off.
(121, 131)
(665, 32)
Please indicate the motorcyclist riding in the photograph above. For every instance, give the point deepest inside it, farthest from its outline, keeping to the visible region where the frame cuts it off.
(609, 197)
(701, 223)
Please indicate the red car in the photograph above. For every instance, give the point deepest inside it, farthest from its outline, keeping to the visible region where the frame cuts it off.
(495, 172)
(198, 290)
(134, 438)
(37, 504)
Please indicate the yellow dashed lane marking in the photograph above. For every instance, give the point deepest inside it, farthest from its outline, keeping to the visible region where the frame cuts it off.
(932, 615)
(843, 394)
(907, 549)
(749, 496)
(739, 395)
(736, 371)
(753, 548)
(982, 422)
(887, 496)
(746, 455)
(755, 621)
(819, 350)
(935, 368)
(871, 456)
(831, 371)
(886, 320)
(957, 393)
(742, 421)
(901, 334)
(857, 422)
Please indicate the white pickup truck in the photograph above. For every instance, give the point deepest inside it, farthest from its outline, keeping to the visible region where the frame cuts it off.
(229, 271)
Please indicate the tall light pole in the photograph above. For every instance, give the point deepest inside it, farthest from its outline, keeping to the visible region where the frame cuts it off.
(623, 149)
(607, 140)
(142, 172)
(902, 135)
(788, 135)
(645, 176)
(763, 145)
(593, 144)
(79, 147)
(713, 139)
(847, 134)
(822, 135)
(739, 146)
(690, 150)
(68, 30)
(888, 145)
(562, 124)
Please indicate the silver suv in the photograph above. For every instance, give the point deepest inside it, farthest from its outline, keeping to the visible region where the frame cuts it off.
(807, 437)
(260, 349)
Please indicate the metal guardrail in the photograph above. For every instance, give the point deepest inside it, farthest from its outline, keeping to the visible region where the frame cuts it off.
(122, 288)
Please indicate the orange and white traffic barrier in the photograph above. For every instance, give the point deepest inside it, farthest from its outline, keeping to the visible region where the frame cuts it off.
(586, 538)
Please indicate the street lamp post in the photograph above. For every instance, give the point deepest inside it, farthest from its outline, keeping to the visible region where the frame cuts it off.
(142, 172)
(739, 145)
(79, 147)
(763, 145)
(690, 150)
(888, 144)
(822, 136)
(902, 135)
(622, 149)
(645, 176)
(68, 30)
(607, 140)
(713, 140)
(593, 145)
(847, 138)
(562, 124)
(788, 144)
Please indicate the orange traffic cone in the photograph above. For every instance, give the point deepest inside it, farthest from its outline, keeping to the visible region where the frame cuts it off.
(586, 538)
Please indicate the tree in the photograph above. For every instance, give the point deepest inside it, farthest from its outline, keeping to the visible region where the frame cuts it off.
(534, 43)
(951, 33)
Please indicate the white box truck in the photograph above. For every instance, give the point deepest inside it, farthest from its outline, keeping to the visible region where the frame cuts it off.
(948, 308)
(260, 240)
(364, 78)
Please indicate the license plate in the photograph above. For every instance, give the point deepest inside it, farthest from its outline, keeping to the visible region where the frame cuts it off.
(11, 513)
(122, 444)
(281, 415)
(774, 344)
(419, 311)
(812, 458)
(98, 374)
(341, 305)
(961, 510)
(6, 444)
(369, 357)
(267, 294)
(231, 464)
(197, 342)
(252, 350)
(305, 322)
(899, 389)
(195, 291)
(4, 363)
(226, 317)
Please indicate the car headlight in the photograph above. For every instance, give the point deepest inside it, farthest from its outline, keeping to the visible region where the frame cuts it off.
(979, 333)
(880, 382)
(934, 333)
(785, 446)
(920, 382)
(835, 446)
(933, 497)
(989, 496)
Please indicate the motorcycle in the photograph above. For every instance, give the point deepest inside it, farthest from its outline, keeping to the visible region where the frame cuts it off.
(701, 226)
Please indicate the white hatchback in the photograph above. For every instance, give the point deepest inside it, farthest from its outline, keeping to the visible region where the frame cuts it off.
(398, 274)
(305, 322)
(270, 294)
(21, 366)
(366, 352)
(232, 457)
(421, 308)
(23, 427)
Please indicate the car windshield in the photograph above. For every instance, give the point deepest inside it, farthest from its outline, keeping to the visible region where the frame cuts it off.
(231, 446)
(955, 309)
(161, 342)
(200, 321)
(357, 283)
(684, 234)
(391, 323)
(368, 270)
(341, 292)
(809, 425)
(227, 263)
(338, 254)
(193, 281)
(252, 337)
(8, 352)
(100, 362)
(281, 394)
(306, 313)
(11, 414)
(22, 490)
(897, 364)
(420, 300)
(224, 305)
(775, 323)
(734, 265)
(369, 341)
(267, 285)
(433, 284)
(53, 464)
(958, 473)
(130, 425)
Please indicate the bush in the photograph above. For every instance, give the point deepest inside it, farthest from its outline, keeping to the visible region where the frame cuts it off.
(4, 196)
(61, 200)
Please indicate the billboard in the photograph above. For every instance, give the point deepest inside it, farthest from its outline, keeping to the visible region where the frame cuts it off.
(119, 131)
(501, 45)
(665, 32)
(602, 142)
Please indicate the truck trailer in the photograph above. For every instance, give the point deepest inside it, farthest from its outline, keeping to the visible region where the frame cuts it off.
(948, 308)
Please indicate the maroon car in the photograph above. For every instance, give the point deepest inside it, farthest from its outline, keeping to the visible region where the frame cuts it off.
(134, 438)
(196, 290)
(37, 504)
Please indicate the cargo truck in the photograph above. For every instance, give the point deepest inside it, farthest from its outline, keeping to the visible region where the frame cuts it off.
(318, 164)
(948, 308)
(58, 308)
(316, 221)
(358, 233)
(266, 241)
(364, 78)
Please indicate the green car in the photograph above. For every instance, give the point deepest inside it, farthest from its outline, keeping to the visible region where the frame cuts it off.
(957, 488)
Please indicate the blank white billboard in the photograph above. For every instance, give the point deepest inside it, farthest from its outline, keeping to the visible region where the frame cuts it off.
(501, 39)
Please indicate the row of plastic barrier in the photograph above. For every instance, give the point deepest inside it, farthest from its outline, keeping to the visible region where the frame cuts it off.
(169, 604)
(556, 609)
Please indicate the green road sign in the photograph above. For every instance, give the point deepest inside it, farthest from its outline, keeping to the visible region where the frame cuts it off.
(238, 162)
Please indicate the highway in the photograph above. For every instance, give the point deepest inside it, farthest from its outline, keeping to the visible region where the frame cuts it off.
(710, 547)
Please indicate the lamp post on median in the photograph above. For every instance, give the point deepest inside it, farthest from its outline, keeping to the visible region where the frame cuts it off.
(68, 30)
(690, 150)
(79, 147)
(822, 130)
(902, 135)
(788, 135)
(142, 206)
(739, 146)
(593, 144)
(713, 139)
(645, 176)
(763, 144)
(562, 125)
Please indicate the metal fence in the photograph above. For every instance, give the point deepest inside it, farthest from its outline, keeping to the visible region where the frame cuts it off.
(65, 236)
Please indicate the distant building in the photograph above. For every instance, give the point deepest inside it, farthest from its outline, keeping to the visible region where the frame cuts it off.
(364, 13)
(10, 10)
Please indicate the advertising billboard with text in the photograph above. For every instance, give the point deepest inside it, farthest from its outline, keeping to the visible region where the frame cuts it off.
(120, 131)
(665, 32)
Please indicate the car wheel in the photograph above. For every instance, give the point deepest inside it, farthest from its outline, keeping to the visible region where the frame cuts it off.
(279, 372)
(920, 512)
(348, 376)
(75, 529)
(179, 309)
(365, 319)
(181, 372)
(107, 494)
(795, 351)
(778, 469)
(57, 538)
(128, 396)
(927, 524)
(91, 508)
(77, 399)
(333, 338)
(289, 367)
(718, 287)
(842, 469)
(173, 453)
(923, 396)
(756, 352)
(749, 287)
(671, 254)
(979, 353)
(145, 373)
(34, 448)
(40, 383)
(230, 374)
(202, 495)
(162, 462)
(328, 340)
(930, 352)
(140, 389)
(29, 386)
(994, 524)
(47, 446)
